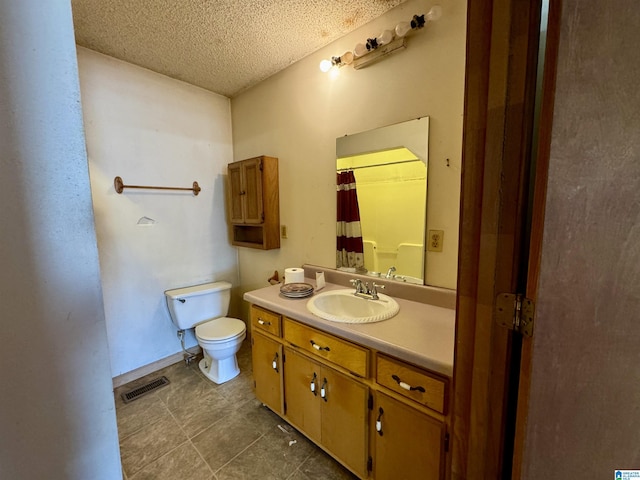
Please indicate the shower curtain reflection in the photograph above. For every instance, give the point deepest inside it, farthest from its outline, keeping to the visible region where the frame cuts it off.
(350, 251)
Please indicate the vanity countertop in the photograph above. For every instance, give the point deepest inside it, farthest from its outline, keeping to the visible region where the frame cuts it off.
(420, 333)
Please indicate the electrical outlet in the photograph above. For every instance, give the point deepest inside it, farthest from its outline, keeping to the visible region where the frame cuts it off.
(436, 239)
(283, 231)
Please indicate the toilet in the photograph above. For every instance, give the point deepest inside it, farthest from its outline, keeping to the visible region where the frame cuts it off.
(204, 307)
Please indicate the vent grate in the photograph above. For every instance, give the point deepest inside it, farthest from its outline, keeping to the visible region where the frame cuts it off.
(138, 392)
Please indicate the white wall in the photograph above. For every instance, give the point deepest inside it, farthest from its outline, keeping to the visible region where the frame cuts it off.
(57, 413)
(297, 114)
(153, 130)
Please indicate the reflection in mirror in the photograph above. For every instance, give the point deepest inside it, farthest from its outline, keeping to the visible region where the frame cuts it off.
(390, 169)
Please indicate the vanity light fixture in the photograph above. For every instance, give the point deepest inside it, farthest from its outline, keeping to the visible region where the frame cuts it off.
(389, 41)
(344, 59)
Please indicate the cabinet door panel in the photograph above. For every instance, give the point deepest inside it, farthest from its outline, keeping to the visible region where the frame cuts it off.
(253, 192)
(267, 371)
(235, 194)
(410, 443)
(303, 409)
(344, 422)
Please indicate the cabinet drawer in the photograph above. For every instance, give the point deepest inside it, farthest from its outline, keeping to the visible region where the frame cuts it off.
(412, 382)
(265, 320)
(341, 352)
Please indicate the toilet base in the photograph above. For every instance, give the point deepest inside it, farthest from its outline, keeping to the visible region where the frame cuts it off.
(219, 371)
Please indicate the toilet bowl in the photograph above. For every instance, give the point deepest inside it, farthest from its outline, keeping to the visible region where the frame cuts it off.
(204, 307)
(220, 339)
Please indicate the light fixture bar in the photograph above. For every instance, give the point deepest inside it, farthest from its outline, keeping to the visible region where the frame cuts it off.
(379, 53)
(387, 42)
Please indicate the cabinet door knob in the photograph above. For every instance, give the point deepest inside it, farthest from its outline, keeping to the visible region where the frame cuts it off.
(379, 421)
(263, 322)
(274, 364)
(406, 386)
(323, 390)
(312, 385)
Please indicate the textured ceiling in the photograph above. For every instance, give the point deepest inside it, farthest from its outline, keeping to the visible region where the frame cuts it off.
(224, 46)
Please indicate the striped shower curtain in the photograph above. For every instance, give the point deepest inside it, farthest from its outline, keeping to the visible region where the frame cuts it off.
(349, 234)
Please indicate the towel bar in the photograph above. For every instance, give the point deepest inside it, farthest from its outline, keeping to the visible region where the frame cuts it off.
(120, 186)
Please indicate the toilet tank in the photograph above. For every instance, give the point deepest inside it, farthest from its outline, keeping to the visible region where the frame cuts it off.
(189, 306)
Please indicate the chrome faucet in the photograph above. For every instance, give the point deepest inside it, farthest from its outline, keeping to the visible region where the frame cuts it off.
(363, 290)
(360, 287)
(390, 272)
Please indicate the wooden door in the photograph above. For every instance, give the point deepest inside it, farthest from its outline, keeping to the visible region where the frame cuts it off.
(267, 371)
(253, 207)
(408, 443)
(344, 419)
(502, 44)
(302, 383)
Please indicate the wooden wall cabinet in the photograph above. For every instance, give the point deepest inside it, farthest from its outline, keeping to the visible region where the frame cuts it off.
(380, 417)
(253, 202)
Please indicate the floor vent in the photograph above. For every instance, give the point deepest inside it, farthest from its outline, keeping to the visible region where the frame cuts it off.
(138, 392)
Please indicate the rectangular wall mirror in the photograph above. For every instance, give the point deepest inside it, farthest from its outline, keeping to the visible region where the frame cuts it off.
(390, 166)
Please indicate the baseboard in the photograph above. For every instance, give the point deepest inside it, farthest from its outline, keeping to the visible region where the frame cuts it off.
(152, 367)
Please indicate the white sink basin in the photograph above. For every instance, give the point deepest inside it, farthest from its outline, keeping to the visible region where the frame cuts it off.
(343, 306)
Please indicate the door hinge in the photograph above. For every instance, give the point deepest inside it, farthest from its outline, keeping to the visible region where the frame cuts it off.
(370, 403)
(369, 464)
(446, 442)
(515, 312)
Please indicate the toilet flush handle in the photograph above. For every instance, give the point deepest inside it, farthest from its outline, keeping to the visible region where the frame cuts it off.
(181, 300)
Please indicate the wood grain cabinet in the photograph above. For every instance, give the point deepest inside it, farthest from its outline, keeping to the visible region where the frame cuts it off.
(253, 202)
(379, 416)
(329, 407)
(267, 371)
(408, 443)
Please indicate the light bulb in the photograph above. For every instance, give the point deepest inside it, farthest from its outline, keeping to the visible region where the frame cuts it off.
(435, 13)
(385, 37)
(402, 29)
(325, 65)
(360, 50)
(346, 58)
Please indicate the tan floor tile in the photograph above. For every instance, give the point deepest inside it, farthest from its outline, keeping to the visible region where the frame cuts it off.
(183, 462)
(221, 442)
(150, 443)
(275, 456)
(140, 413)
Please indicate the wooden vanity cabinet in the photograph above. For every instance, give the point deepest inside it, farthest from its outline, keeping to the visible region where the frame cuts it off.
(408, 443)
(253, 202)
(379, 416)
(329, 407)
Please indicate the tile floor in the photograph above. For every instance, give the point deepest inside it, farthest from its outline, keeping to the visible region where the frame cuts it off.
(194, 429)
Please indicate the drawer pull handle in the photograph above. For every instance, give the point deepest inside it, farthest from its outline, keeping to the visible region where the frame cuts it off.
(274, 364)
(323, 390)
(318, 347)
(406, 386)
(313, 384)
(379, 422)
(263, 322)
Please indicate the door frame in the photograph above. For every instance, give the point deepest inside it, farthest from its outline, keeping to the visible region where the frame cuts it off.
(495, 239)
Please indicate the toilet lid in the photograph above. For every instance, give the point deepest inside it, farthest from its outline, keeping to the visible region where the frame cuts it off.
(220, 329)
